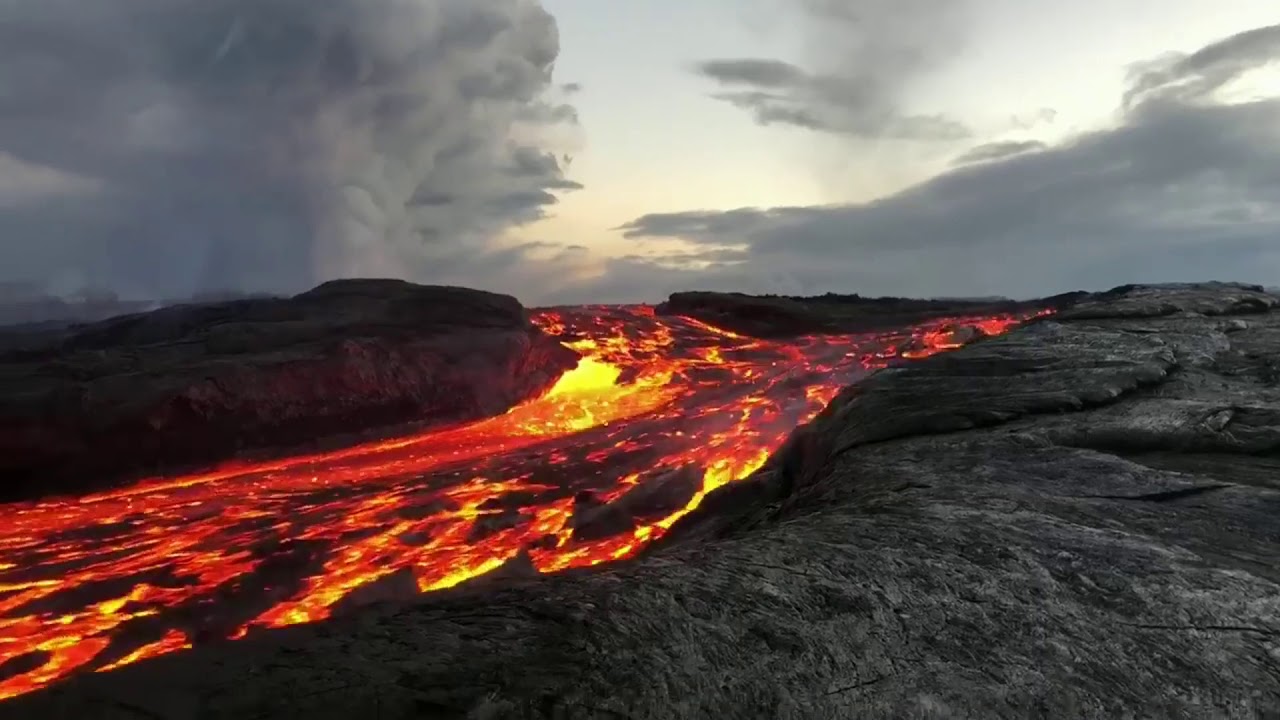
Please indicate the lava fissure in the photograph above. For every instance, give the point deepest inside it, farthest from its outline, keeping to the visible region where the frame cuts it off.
(659, 412)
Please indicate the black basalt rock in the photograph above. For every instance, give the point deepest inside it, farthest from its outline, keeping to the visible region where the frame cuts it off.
(94, 406)
(1078, 519)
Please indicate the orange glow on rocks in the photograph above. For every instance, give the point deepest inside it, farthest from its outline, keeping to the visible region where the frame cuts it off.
(105, 580)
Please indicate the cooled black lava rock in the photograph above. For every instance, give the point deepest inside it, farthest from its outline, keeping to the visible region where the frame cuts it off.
(1078, 519)
(657, 498)
(775, 316)
(82, 407)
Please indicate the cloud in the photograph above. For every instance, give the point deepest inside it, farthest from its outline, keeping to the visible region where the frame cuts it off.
(1184, 187)
(1031, 120)
(271, 144)
(1198, 76)
(22, 182)
(760, 73)
(866, 53)
(998, 151)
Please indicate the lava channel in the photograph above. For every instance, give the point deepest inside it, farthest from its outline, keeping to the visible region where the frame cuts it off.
(101, 581)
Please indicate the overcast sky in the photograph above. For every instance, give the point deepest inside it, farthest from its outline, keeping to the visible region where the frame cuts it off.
(577, 150)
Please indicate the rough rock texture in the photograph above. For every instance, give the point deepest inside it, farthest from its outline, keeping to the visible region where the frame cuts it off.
(774, 316)
(192, 383)
(1080, 519)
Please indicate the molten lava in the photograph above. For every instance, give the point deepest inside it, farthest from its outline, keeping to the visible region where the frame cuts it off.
(105, 580)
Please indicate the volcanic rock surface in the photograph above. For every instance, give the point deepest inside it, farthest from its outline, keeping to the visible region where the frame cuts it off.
(1079, 519)
(81, 407)
(774, 316)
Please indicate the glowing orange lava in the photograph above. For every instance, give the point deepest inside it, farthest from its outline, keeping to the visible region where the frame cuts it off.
(106, 580)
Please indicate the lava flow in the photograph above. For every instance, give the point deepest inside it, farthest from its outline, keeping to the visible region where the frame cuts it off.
(101, 581)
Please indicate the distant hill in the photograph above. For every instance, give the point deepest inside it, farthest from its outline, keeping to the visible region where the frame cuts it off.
(20, 311)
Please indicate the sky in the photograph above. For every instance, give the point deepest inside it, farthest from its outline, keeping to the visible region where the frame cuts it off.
(583, 151)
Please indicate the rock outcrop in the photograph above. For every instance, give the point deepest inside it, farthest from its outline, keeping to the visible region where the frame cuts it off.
(82, 407)
(776, 316)
(1078, 519)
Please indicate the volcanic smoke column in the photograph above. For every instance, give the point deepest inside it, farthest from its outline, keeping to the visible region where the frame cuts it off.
(272, 144)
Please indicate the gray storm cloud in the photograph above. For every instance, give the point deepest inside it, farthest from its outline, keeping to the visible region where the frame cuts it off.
(864, 54)
(998, 151)
(1196, 76)
(188, 145)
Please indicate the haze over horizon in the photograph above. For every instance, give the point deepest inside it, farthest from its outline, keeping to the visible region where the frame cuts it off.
(574, 151)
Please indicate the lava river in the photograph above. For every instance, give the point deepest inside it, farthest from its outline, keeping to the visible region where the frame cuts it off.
(101, 581)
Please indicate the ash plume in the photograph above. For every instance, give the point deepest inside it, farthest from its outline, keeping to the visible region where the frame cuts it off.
(165, 147)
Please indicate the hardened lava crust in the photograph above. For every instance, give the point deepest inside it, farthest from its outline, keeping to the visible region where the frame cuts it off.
(1076, 518)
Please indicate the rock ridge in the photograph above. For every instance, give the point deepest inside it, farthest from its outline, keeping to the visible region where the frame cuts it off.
(92, 406)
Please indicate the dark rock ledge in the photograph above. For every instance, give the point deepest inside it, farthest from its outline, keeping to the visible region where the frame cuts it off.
(776, 316)
(1080, 519)
(92, 406)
